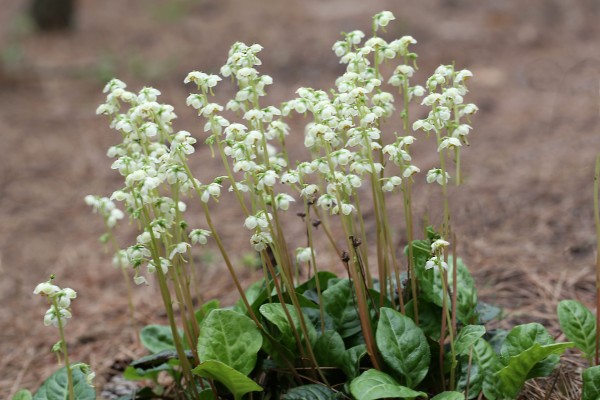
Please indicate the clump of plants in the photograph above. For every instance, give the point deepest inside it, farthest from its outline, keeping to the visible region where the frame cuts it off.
(404, 322)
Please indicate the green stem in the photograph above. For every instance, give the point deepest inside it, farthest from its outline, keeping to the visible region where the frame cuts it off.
(63, 345)
(597, 222)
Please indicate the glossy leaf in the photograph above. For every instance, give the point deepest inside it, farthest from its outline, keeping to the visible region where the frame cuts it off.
(231, 338)
(521, 338)
(488, 364)
(205, 309)
(467, 336)
(513, 376)
(430, 318)
(579, 325)
(403, 346)
(276, 315)
(312, 392)
(591, 383)
(449, 396)
(339, 303)
(472, 376)
(22, 395)
(157, 338)
(352, 358)
(236, 382)
(329, 349)
(373, 384)
(56, 387)
(311, 284)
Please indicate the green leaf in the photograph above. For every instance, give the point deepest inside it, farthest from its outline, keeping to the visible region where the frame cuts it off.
(523, 337)
(155, 360)
(56, 387)
(23, 394)
(373, 384)
(487, 363)
(339, 303)
(591, 383)
(513, 376)
(205, 309)
(312, 392)
(311, 284)
(231, 338)
(449, 396)
(403, 346)
(487, 312)
(430, 318)
(472, 376)
(206, 394)
(467, 337)
(466, 299)
(329, 349)
(352, 358)
(275, 314)
(157, 338)
(237, 383)
(579, 325)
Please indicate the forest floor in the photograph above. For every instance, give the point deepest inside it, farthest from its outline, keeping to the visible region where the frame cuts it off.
(523, 217)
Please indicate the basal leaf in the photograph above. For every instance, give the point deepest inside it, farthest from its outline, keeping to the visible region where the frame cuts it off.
(403, 346)
(205, 309)
(22, 395)
(311, 284)
(467, 336)
(373, 384)
(329, 349)
(157, 338)
(430, 320)
(591, 383)
(512, 377)
(449, 396)
(236, 382)
(521, 338)
(56, 387)
(466, 298)
(339, 303)
(231, 338)
(351, 359)
(579, 325)
(276, 315)
(471, 376)
(488, 364)
(312, 392)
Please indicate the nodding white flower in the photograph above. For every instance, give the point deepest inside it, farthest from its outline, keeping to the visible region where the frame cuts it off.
(197, 101)
(260, 220)
(290, 177)
(309, 190)
(417, 91)
(120, 259)
(304, 254)
(383, 19)
(144, 238)
(326, 201)
(390, 184)
(164, 266)
(140, 280)
(199, 236)
(434, 262)
(437, 175)
(113, 85)
(180, 248)
(400, 46)
(355, 37)
(449, 143)
(422, 124)
(53, 314)
(462, 76)
(340, 48)
(241, 187)
(468, 109)
(211, 190)
(410, 171)
(439, 244)
(261, 240)
(46, 289)
(282, 201)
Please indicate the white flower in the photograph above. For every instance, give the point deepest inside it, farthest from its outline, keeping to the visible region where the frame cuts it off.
(449, 143)
(309, 191)
(46, 289)
(261, 240)
(139, 280)
(199, 236)
(437, 175)
(383, 19)
(462, 76)
(433, 262)
(51, 317)
(439, 244)
(260, 220)
(304, 254)
(180, 248)
(410, 171)
(282, 201)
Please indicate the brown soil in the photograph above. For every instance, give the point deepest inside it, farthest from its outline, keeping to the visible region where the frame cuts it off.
(523, 218)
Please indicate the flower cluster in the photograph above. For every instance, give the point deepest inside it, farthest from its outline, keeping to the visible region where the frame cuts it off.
(60, 303)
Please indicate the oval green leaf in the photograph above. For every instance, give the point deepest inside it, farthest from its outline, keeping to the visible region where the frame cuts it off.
(591, 383)
(276, 315)
(329, 349)
(521, 338)
(236, 382)
(403, 346)
(373, 384)
(23, 394)
(579, 325)
(467, 337)
(157, 338)
(339, 303)
(449, 396)
(56, 387)
(231, 338)
(312, 392)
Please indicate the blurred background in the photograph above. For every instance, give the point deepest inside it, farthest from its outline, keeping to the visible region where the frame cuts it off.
(523, 218)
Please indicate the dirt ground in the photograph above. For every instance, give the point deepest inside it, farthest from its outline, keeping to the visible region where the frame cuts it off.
(523, 218)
